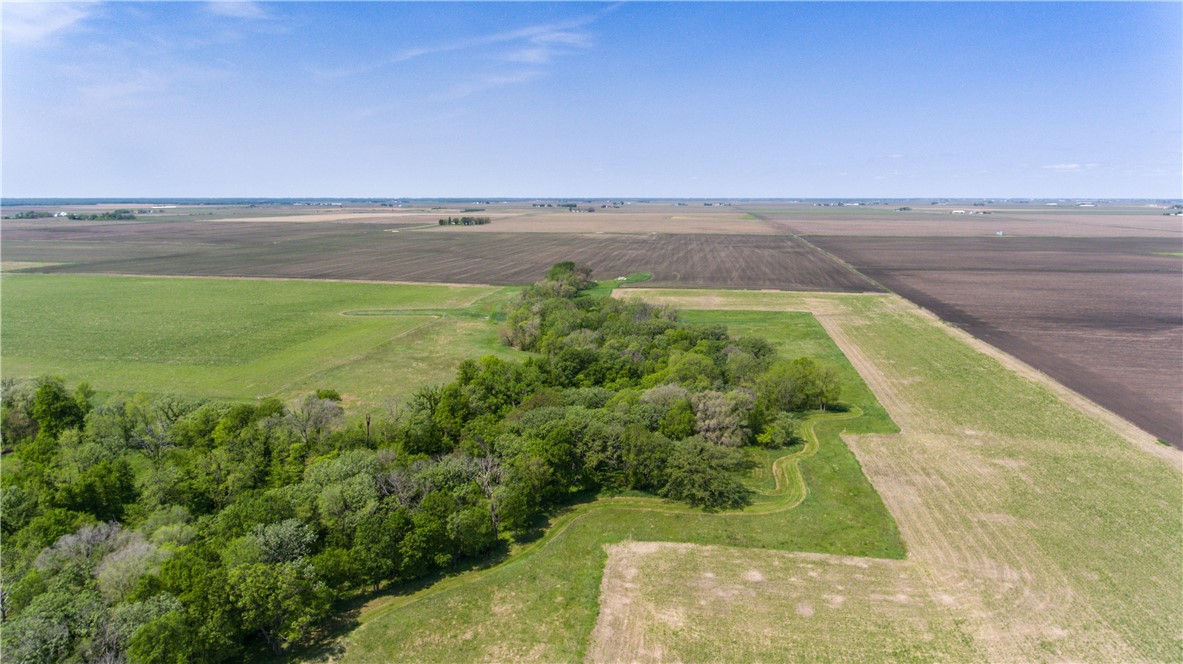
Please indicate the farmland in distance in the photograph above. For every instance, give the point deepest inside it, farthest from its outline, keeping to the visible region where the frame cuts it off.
(1090, 294)
(339, 250)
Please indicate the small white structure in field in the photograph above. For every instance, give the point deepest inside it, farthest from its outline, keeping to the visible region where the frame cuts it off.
(958, 211)
(999, 233)
(61, 214)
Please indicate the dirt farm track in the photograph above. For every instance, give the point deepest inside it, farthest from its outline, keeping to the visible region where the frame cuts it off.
(1091, 296)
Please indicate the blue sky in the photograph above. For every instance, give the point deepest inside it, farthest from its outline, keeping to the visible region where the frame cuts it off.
(580, 99)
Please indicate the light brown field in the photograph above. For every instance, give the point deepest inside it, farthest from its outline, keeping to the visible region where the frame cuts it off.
(9, 266)
(310, 217)
(630, 220)
(941, 222)
(1037, 528)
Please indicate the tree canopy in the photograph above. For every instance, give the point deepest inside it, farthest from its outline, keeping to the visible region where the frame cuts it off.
(159, 528)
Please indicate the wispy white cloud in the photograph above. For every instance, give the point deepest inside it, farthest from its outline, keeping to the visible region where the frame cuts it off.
(34, 22)
(546, 38)
(1069, 168)
(104, 90)
(535, 44)
(131, 88)
(476, 85)
(499, 60)
(545, 46)
(236, 9)
(530, 56)
(489, 82)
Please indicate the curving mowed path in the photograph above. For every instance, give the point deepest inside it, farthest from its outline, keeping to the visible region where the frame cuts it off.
(541, 603)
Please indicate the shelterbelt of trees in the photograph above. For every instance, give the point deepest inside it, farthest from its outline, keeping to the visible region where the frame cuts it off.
(167, 530)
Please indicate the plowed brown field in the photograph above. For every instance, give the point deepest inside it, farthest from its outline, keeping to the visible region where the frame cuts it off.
(373, 252)
(1104, 316)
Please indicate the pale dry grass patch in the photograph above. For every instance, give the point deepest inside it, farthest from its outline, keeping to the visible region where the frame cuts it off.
(694, 603)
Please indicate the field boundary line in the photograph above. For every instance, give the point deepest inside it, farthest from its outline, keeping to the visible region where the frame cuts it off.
(1127, 430)
(797, 236)
(625, 291)
(497, 287)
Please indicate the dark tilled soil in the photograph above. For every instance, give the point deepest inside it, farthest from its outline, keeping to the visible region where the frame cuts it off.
(1103, 316)
(370, 252)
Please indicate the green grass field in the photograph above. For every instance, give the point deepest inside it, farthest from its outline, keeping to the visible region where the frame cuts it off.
(244, 339)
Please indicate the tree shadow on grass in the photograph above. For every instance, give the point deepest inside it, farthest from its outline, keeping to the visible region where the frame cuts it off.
(328, 643)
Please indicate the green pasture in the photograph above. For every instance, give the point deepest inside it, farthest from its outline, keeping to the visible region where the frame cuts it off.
(243, 339)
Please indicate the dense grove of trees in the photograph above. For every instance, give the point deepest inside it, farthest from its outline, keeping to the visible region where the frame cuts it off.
(464, 221)
(113, 215)
(158, 529)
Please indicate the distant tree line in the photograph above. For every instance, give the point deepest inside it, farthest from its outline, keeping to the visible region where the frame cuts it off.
(31, 214)
(113, 215)
(160, 529)
(464, 221)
